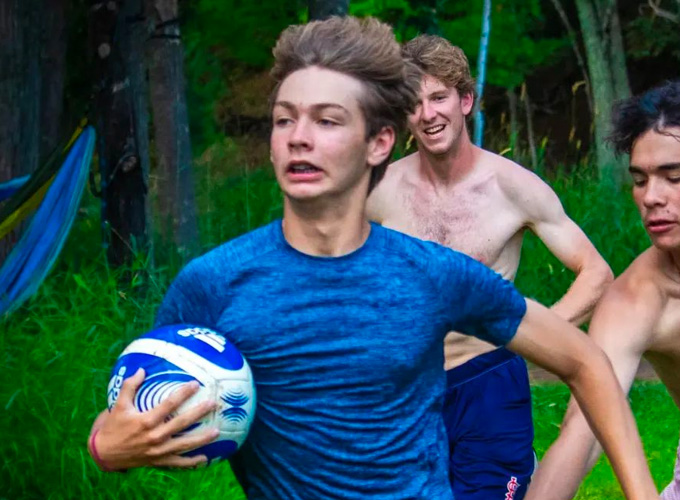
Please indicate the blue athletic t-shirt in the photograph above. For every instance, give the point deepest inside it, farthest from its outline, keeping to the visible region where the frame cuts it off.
(347, 356)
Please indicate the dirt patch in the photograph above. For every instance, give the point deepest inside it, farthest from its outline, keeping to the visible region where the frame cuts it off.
(536, 374)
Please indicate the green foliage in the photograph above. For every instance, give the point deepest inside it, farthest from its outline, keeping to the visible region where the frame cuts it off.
(408, 17)
(223, 39)
(516, 45)
(238, 31)
(651, 36)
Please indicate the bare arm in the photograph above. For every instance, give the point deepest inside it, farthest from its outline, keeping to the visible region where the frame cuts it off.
(554, 344)
(623, 328)
(567, 242)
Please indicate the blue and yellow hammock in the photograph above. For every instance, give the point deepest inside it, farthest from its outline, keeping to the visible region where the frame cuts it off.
(53, 192)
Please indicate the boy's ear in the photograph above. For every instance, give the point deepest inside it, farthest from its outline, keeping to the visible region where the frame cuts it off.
(467, 101)
(380, 146)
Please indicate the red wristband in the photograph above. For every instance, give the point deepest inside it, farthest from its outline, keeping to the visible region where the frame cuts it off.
(97, 459)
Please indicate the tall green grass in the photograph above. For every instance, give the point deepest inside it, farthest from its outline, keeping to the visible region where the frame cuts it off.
(57, 350)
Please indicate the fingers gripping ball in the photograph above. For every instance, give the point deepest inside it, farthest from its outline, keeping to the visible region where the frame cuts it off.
(176, 354)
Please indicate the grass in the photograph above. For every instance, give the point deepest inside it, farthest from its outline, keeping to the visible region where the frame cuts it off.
(57, 350)
(658, 422)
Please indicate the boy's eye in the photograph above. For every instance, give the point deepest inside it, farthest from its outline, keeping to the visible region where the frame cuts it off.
(326, 122)
(674, 180)
(282, 121)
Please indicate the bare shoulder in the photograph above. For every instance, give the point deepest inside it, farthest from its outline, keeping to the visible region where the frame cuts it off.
(524, 188)
(638, 292)
(380, 200)
(399, 170)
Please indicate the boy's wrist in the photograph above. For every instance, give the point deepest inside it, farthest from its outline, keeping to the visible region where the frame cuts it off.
(92, 448)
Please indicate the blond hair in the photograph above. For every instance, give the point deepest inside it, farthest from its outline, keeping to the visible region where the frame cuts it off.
(439, 58)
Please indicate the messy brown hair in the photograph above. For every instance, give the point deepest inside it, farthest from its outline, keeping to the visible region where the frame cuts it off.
(364, 49)
(438, 57)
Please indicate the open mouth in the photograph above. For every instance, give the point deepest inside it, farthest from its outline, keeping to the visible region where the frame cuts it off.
(434, 130)
(303, 168)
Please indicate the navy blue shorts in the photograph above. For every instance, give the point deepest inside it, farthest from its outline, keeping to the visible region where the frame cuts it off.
(487, 412)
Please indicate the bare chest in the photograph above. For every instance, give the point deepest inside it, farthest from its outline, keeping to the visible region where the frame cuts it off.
(664, 353)
(475, 221)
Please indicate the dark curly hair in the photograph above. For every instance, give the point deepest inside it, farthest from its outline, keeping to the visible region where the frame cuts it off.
(656, 109)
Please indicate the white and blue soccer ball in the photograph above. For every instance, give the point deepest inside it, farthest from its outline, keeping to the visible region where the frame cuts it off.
(175, 354)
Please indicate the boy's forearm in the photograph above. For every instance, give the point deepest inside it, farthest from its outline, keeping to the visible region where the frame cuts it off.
(567, 462)
(577, 305)
(606, 409)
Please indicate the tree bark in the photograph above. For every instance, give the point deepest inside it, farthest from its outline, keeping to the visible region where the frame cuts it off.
(122, 181)
(137, 31)
(596, 18)
(53, 66)
(530, 127)
(20, 86)
(481, 73)
(577, 52)
(514, 129)
(323, 9)
(176, 201)
(617, 56)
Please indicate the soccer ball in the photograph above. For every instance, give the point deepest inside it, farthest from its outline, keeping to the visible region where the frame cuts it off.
(176, 354)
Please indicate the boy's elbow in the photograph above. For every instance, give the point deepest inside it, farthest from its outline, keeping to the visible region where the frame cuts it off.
(602, 277)
(588, 368)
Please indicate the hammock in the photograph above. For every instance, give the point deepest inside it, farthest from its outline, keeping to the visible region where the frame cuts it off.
(8, 188)
(56, 193)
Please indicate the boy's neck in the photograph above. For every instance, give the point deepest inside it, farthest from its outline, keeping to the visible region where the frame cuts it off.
(325, 229)
(451, 167)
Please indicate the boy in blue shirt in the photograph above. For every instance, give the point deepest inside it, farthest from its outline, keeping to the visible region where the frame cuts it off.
(343, 321)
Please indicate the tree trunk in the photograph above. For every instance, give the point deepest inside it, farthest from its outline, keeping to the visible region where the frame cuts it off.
(53, 65)
(530, 127)
(122, 180)
(481, 73)
(176, 203)
(514, 129)
(323, 9)
(19, 86)
(137, 32)
(577, 52)
(617, 56)
(596, 18)
(20, 83)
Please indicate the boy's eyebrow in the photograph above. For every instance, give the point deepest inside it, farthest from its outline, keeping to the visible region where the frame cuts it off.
(666, 167)
(315, 107)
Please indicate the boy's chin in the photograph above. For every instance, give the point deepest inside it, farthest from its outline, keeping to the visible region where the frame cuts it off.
(666, 243)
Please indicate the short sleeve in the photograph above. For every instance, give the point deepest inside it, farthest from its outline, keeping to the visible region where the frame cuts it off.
(478, 300)
(187, 299)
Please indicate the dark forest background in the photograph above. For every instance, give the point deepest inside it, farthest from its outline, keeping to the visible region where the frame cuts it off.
(172, 86)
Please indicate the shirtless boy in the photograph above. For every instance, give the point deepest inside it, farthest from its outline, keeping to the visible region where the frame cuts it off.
(640, 313)
(479, 203)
